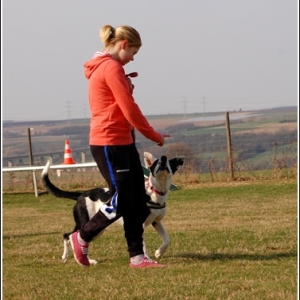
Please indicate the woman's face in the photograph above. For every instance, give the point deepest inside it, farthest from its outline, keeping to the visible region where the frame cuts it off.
(127, 53)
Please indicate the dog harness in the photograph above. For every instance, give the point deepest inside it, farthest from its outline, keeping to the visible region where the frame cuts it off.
(155, 205)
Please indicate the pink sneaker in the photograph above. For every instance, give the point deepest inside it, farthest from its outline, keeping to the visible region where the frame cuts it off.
(146, 263)
(80, 251)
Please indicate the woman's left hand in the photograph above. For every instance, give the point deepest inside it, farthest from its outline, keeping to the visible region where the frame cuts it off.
(130, 85)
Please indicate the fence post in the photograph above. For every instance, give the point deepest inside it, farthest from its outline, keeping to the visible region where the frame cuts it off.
(83, 161)
(31, 163)
(229, 148)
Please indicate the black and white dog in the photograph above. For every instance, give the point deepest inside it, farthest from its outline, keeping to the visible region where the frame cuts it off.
(157, 186)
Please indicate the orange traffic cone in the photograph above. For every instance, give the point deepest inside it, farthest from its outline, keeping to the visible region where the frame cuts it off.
(68, 158)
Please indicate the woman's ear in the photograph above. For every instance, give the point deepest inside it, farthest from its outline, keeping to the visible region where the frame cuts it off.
(124, 44)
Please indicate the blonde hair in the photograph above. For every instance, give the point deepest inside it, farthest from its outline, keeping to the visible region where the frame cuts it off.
(110, 35)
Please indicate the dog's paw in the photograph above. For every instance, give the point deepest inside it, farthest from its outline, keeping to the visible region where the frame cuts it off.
(157, 254)
(64, 258)
(92, 261)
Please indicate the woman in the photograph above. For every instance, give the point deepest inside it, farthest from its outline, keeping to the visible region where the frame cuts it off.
(114, 115)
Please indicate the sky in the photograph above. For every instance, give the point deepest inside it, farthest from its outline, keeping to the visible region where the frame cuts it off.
(197, 55)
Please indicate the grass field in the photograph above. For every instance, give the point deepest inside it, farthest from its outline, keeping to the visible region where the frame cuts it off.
(235, 241)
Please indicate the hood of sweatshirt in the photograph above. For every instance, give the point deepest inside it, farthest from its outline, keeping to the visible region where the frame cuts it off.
(91, 65)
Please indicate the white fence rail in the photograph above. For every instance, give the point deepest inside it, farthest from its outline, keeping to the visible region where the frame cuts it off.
(55, 167)
(39, 168)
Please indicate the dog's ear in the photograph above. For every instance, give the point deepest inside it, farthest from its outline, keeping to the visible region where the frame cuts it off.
(153, 166)
(176, 163)
(148, 159)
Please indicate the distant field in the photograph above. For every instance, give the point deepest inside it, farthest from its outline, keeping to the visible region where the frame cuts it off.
(253, 134)
(159, 122)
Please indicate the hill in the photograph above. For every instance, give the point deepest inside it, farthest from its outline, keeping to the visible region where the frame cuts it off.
(198, 133)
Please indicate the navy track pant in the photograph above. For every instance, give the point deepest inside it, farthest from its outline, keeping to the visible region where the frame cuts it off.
(121, 168)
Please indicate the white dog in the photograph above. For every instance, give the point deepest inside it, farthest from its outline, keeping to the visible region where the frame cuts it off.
(157, 186)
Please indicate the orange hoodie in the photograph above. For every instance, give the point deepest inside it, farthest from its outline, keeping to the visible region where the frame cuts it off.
(113, 110)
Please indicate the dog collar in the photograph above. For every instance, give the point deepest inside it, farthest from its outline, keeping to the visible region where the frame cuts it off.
(155, 190)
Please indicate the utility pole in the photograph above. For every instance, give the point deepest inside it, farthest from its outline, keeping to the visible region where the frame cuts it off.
(184, 106)
(84, 110)
(203, 102)
(69, 111)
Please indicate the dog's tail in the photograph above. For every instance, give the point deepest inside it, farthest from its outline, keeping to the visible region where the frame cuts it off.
(52, 189)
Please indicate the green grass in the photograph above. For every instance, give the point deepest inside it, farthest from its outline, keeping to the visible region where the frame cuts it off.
(235, 240)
